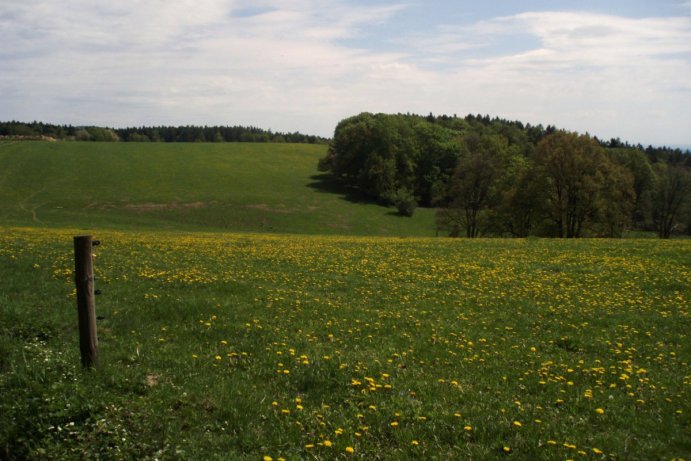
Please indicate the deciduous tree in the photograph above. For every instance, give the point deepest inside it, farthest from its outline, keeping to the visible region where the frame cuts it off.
(672, 192)
(473, 188)
(567, 165)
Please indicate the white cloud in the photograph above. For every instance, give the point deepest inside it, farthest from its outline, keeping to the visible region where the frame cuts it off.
(612, 75)
(283, 64)
(188, 62)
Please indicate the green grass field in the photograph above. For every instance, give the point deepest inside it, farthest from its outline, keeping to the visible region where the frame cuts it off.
(278, 341)
(245, 346)
(225, 187)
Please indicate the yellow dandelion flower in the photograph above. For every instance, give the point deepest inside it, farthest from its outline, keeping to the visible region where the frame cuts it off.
(350, 450)
(600, 411)
(328, 444)
(517, 423)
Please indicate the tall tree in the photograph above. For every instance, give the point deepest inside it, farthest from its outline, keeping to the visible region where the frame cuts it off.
(638, 164)
(522, 204)
(568, 165)
(473, 188)
(672, 192)
(616, 198)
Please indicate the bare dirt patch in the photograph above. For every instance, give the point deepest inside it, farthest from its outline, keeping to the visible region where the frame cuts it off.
(144, 207)
(151, 380)
(264, 207)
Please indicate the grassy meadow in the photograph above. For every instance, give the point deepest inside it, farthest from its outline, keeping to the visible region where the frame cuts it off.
(223, 187)
(249, 346)
(252, 310)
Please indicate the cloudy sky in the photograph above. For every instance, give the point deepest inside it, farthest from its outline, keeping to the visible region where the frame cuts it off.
(609, 67)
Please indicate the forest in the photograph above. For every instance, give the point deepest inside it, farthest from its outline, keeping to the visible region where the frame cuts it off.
(187, 133)
(493, 177)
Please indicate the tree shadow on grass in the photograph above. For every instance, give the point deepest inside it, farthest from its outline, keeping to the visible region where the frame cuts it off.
(397, 214)
(327, 183)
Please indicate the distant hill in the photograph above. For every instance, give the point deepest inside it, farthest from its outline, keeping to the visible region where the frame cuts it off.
(253, 187)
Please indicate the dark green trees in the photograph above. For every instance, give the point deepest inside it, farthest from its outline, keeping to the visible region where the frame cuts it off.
(154, 134)
(392, 158)
(637, 163)
(671, 194)
(582, 185)
(475, 185)
(494, 177)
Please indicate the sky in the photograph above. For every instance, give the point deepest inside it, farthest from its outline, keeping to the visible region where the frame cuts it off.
(612, 68)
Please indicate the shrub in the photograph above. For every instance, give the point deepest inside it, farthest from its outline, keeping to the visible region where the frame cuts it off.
(405, 202)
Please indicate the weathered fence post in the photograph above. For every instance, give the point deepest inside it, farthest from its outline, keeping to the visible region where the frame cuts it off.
(86, 305)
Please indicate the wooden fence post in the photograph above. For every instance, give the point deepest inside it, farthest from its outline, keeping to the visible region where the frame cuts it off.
(86, 305)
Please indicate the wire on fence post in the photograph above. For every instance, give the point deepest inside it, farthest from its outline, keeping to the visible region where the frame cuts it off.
(86, 305)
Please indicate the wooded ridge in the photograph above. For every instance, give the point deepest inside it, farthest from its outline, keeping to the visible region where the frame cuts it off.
(497, 177)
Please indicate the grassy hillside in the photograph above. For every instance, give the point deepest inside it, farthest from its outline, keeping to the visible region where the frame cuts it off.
(235, 187)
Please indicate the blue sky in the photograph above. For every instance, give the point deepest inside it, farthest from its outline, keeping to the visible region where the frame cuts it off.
(611, 68)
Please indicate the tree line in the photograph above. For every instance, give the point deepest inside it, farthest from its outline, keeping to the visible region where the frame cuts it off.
(187, 133)
(497, 177)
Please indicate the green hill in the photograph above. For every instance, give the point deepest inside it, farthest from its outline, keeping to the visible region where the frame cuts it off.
(224, 187)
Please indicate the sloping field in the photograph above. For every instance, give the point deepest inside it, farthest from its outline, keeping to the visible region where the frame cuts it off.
(230, 187)
(250, 347)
